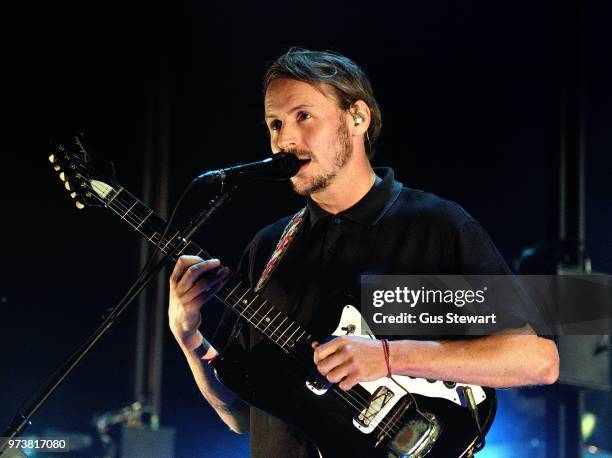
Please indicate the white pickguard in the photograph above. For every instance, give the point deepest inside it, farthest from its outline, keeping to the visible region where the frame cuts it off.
(351, 323)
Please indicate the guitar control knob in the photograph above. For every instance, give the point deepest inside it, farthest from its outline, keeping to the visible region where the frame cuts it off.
(450, 384)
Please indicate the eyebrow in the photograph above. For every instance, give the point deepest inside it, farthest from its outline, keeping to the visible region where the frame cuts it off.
(295, 108)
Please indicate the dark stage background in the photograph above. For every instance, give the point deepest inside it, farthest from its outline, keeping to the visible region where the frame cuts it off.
(471, 98)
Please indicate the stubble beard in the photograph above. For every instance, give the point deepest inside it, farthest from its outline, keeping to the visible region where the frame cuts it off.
(322, 181)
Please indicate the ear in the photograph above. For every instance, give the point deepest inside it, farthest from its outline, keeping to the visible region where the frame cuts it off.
(360, 111)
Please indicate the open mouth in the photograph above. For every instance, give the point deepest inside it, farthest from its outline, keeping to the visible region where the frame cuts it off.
(303, 164)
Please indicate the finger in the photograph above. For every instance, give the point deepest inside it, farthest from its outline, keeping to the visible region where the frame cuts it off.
(326, 349)
(181, 265)
(326, 365)
(193, 292)
(193, 273)
(213, 284)
(338, 373)
(349, 382)
(201, 299)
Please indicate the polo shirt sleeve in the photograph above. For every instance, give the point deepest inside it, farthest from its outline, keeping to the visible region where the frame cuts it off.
(475, 254)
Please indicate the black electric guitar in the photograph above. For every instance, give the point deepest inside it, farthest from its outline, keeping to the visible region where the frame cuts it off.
(390, 417)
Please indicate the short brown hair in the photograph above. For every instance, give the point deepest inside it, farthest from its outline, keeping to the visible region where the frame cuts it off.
(348, 80)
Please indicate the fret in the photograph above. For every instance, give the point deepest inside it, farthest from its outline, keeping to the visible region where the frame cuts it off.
(249, 304)
(264, 317)
(281, 323)
(164, 248)
(182, 250)
(130, 223)
(232, 291)
(240, 298)
(301, 335)
(258, 308)
(117, 211)
(281, 336)
(178, 253)
(297, 328)
(145, 218)
(270, 322)
(114, 197)
(128, 210)
(190, 249)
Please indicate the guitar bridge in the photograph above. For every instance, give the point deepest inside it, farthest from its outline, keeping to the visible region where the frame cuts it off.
(377, 402)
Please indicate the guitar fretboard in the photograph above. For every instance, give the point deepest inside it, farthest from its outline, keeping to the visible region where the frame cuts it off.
(236, 294)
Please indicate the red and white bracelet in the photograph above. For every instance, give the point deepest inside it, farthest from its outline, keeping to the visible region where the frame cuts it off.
(385, 345)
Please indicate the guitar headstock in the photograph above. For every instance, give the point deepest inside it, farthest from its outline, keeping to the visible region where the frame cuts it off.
(88, 181)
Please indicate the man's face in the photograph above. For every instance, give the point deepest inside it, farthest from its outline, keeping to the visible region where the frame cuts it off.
(307, 121)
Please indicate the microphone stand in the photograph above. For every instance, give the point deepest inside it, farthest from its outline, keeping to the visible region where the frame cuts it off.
(22, 418)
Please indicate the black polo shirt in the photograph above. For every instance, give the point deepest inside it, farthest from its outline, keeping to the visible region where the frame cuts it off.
(391, 230)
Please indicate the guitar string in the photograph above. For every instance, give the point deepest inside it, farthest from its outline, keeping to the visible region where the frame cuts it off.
(131, 211)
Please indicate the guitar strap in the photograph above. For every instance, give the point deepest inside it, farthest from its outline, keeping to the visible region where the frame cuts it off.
(281, 248)
(283, 244)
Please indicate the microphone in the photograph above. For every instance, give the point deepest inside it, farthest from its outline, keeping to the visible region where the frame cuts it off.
(280, 166)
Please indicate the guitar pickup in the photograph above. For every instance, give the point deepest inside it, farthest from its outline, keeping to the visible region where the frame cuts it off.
(379, 399)
(318, 384)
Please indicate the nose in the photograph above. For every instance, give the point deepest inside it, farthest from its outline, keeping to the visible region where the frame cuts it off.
(287, 138)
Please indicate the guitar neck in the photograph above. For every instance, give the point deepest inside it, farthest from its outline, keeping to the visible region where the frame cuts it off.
(236, 294)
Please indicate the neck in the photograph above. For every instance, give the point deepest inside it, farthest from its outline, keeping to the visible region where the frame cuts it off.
(353, 182)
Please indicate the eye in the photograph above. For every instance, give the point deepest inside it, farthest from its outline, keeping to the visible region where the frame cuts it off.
(275, 125)
(302, 116)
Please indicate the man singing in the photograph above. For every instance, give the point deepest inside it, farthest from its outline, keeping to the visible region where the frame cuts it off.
(357, 220)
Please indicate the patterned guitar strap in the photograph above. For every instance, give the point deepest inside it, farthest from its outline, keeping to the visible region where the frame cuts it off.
(281, 248)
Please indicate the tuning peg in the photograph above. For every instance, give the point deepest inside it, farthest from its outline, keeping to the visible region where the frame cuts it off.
(73, 194)
(52, 158)
(57, 167)
(80, 205)
(62, 176)
(67, 186)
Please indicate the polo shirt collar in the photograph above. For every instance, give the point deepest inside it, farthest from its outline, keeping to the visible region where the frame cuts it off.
(371, 207)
